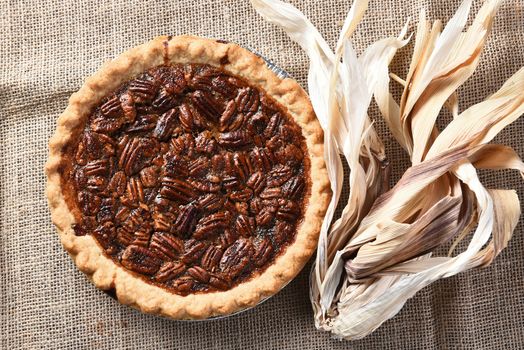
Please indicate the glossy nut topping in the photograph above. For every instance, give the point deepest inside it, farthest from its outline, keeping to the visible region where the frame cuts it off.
(190, 177)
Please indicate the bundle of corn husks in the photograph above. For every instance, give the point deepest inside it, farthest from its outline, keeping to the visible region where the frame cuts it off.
(378, 253)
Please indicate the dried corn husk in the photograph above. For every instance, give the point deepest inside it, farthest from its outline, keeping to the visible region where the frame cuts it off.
(340, 87)
(378, 253)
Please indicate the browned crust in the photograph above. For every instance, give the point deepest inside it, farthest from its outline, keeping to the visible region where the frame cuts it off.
(134, 291)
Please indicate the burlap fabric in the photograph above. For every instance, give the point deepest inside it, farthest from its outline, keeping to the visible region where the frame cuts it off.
(47, 48)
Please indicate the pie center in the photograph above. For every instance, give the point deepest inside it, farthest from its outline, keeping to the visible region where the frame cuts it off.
(190, 177)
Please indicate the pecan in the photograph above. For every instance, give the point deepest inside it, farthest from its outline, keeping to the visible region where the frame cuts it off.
(271, 193)
(89, 203)
(142, 238)
(106, 125)
(229, 165)
(117, 184)
(211, 224)
(294, 188)
(124, 237)
(107, 210)
(161, 203)
(241, 196)
(183, 285)
(141, 260)
(234, 139)
(289, 133)
(185, 221)
(223, 86)
(183, 144)
(162, 221)
(175, 165)
(217, 162)
(207, 105)
(273, 125)
(201, 82)
(122, 214)
(121, 145)
(170, 270)
(127, 102)
(279, 175)
(149, 195)
(186, 117)
(210, 202)
(96, 183)
(149, 176)
(229, 237)
(205, 186)
(165, 125)
(242, 165)
(143, 123)
(94, 146)
(263, 252)
(258, 140)
(166, 246)
(198, 166)
(283, 231)
(262, 158)
(205, 143)
(81, 229)
(173, 78)
(202, 79)
(211, 258)
(135, 191)
(136, 154)
(193, 250)
(265, 216)
(245, 225)
(287, 210)
(214, 179)
(219, 281)
(97, 167)
(256, 182)
(143, 90)
(164, 100)
(105, 234)
(236, 257)
(229, 205)
(135, 219)
(248, 101)
(81, 155)
(177, 189)
(242, 208)
(255, 126)
(274, 144)
(230, 120)
(268, 105)
(198, 274)
(230, 182)
(111, 108)
(255, 206)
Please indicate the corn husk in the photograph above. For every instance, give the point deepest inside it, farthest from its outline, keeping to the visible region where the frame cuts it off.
(378, 253)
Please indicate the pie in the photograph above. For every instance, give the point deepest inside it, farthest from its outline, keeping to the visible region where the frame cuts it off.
(188, 179)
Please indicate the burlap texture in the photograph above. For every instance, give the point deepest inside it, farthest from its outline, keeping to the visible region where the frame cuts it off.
(47, 48)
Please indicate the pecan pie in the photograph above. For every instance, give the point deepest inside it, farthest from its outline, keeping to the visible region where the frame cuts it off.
(188, 178)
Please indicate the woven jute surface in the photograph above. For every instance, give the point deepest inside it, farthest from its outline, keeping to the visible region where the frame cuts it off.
(47, 49)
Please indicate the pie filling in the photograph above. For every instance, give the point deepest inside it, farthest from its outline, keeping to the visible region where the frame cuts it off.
(189, 177)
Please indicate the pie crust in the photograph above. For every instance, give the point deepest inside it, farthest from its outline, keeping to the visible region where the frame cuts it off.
(131, 289)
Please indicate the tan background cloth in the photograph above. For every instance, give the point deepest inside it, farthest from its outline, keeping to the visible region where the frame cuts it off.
(47, 48)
